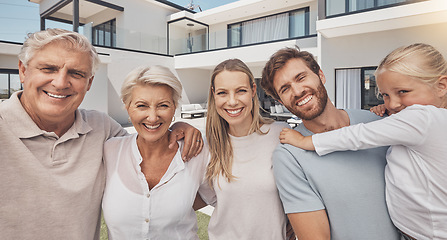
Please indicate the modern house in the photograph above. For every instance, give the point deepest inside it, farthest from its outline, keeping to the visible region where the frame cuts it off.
(348, 38)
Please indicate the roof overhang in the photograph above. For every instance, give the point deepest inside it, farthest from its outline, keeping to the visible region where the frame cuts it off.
(404, 16)
(242, 9)
(63, 10)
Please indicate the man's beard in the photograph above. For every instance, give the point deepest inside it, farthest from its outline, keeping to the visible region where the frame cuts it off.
(322, 98)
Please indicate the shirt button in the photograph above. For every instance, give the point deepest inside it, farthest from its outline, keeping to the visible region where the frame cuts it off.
(147, 220)
(148, 195)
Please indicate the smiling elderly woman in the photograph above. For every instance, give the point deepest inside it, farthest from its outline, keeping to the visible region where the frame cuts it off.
(150, 191)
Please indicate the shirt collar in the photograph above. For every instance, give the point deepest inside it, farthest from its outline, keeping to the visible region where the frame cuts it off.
(176, 165)
(23, 126)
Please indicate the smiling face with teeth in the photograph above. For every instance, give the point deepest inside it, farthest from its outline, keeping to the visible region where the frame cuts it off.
(234, 100)
(151, 110)
(55, 82)
(300, 89)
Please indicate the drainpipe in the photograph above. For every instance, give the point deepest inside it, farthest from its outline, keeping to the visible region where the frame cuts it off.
(75, 15)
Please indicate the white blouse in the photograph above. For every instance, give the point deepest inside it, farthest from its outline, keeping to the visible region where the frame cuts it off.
(132, 211)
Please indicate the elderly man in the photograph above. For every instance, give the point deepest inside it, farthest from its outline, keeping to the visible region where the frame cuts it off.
(52, 175)
(338, 196)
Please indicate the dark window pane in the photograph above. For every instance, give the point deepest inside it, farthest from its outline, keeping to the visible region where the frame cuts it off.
(105, 34)
(370, 90)
(3, 86)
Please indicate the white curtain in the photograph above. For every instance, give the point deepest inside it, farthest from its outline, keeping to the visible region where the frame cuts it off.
(348, 92)
(266, 29)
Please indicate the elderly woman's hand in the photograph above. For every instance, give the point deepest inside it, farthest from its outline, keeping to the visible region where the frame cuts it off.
(193, 139)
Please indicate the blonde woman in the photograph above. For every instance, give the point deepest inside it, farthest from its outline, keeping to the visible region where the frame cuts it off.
(150, 190)
(241, 143)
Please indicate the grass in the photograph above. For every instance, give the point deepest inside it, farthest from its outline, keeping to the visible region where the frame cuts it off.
(202, 222)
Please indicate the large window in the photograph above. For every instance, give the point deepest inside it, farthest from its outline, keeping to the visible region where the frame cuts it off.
(355, 88)
(275, 27)
(9, 82)
(336, 7)
(105, 34)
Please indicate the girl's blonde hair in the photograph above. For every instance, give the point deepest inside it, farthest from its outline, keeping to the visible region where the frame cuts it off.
(217, 135)
(419, 61)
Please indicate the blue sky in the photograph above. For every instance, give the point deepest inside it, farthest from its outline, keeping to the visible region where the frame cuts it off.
(204, 4)
(19, 17)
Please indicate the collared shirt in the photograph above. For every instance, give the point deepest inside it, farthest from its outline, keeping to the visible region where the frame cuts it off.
(51, 187)
(133, 211)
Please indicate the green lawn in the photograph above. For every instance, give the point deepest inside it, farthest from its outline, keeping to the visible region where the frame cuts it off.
(202, 221)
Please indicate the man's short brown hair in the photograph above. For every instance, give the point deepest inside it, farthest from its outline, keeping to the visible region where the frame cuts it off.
(278, 60)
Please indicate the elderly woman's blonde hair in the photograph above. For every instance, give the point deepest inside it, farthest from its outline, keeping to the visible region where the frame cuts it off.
(217, 134)
(419, 61)
(151, 75)
(73, 40)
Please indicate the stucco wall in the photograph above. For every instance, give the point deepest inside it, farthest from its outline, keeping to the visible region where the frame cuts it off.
(364, 50)
(196, 84)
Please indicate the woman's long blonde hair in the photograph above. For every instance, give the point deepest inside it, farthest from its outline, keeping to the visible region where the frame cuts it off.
(217, 135)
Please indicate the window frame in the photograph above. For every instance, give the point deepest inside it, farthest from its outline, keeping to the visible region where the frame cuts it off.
(9, 72)
(376, 7)
(306, 26)
(102, 27)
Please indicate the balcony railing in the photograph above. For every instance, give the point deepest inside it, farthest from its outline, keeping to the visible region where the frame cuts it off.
(185, 42)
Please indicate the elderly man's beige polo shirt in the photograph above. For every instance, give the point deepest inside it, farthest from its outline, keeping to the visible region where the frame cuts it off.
(51, 187)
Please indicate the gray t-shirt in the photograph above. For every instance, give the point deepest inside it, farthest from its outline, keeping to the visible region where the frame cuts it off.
(349, 185)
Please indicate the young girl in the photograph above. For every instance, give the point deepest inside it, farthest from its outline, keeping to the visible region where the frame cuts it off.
(413, 83)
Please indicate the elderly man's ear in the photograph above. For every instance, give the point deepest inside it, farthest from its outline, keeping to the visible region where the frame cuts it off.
(22, 70)
(441, 86)
(90, 81)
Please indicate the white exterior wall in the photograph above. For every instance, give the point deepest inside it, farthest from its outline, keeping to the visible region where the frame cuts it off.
(104, 16)
(196, 84)
(9, 61)
(363, 50)
(8, 55)
(97, 97)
